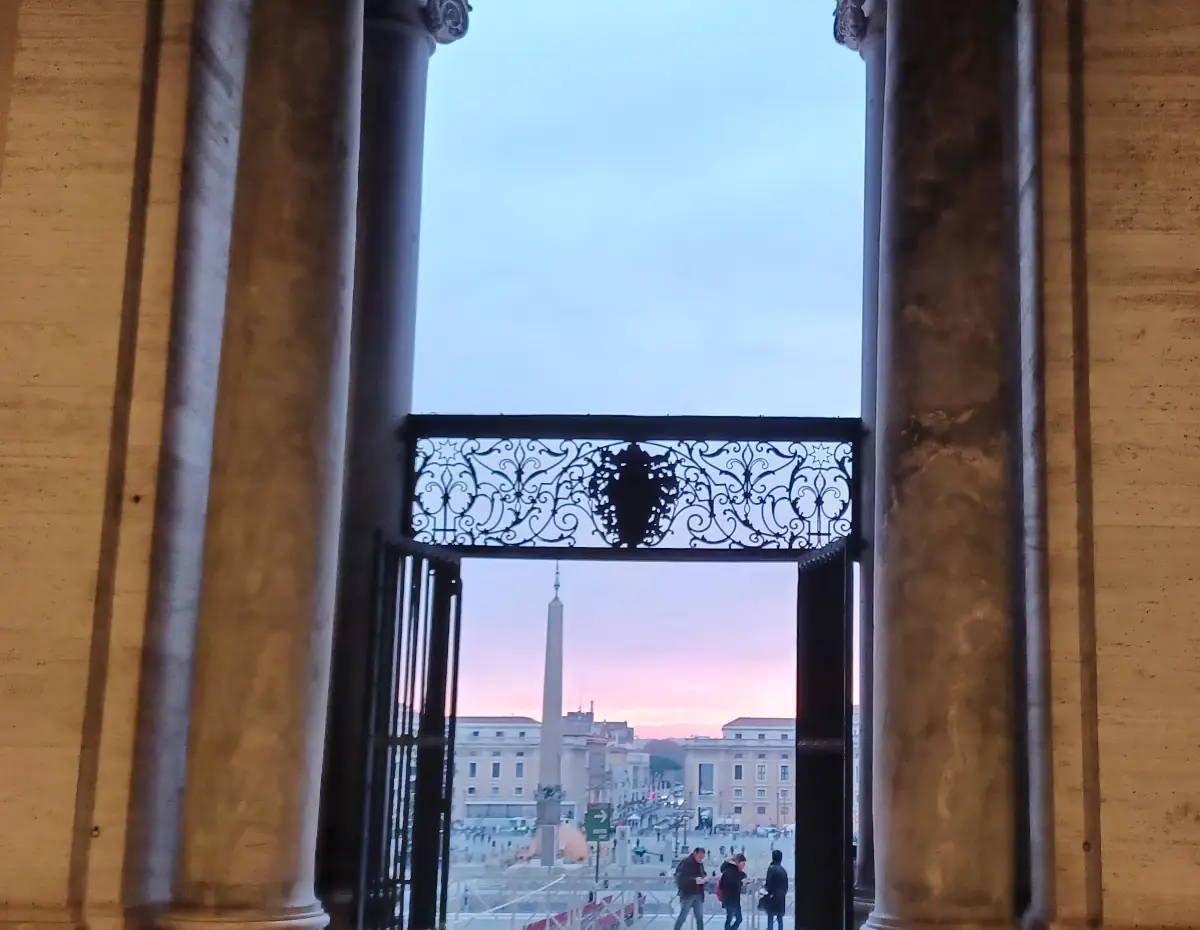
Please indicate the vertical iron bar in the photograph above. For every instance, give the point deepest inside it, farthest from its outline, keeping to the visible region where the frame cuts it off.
(366, 864)
(430, 781)
(451, 733)
(847, 624)
(403, 775)
(387, 699)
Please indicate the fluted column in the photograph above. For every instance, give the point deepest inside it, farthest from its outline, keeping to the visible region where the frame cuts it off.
(862, 26)
(263, 639)
(399, 38)
(944, 605)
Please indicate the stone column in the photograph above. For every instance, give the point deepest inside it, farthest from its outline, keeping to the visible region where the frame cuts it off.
(862, 26)
(262, 651)
(399, 38)
(944, 605)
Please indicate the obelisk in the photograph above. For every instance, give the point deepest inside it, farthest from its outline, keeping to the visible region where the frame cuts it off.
(549, 805)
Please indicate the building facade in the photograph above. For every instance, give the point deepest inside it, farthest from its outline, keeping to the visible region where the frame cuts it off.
(496, 770)
(744, 778)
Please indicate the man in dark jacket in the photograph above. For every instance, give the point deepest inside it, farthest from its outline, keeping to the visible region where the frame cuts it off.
(690, 878)
(733, 877)
(775, 890)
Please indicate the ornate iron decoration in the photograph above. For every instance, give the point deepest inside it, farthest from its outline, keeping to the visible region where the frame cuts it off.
(495, 489)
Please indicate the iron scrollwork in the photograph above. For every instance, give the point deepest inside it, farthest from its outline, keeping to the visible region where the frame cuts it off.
(554, 493)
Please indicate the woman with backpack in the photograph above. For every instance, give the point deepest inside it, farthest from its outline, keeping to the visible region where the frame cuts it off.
(729, 890)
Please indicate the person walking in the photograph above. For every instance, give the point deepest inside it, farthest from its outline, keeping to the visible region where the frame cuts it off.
(690, 879)
(729, 887)
(775, 890)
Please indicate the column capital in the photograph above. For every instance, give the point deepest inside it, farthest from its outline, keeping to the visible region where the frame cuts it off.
(854, 21)
(445, 21)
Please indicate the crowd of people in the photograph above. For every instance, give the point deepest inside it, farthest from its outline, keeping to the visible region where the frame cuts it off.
(691, 879)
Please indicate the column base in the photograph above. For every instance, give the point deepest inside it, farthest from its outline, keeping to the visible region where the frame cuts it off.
(864, 902)
(300, 918)
(877, 921)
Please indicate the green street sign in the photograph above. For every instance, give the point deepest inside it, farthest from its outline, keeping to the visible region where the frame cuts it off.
(597, 823)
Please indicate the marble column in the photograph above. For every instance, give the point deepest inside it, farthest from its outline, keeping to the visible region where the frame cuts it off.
(262, 651)
(862, 26)
(946, 413)
(399, 38)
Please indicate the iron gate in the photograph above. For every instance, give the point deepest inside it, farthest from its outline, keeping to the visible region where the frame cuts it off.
(410, 715)
(824, 866)
(588, 487)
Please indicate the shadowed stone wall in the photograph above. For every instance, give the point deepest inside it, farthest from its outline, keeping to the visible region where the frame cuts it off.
(1120, 162)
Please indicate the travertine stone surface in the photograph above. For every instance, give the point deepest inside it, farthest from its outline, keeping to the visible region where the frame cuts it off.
(944, 575)
(1121, 230)
(89, 200)
(264, 632)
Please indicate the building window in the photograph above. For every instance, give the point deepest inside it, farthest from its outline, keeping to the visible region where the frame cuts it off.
(499, 734)
(784, 811)
(475, 733)
(760, 793)
(518, 790)
(785, 735)
(520, 770)
(785, 771)
(762, 810)
(521, 755)
(495, 753)
(762, 755)
(472, 769)
(783, 794)
(737, 735)
(737, 755)
(471, 789)
(520, 734)
(737, 792)
(737, 773)
(762, 735)
(495, 789)
(737, 808)
(495, 770)
(760, 772)
(704, 778)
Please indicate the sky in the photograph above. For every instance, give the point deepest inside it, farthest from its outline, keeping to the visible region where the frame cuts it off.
(640, 208)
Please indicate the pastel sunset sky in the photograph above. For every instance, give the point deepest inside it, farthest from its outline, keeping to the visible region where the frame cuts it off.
(641, 208)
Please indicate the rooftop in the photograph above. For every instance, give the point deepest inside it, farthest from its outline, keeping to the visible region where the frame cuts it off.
(768, 722)
(492, 721)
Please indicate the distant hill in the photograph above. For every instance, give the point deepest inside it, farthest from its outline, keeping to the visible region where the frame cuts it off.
(676, 731)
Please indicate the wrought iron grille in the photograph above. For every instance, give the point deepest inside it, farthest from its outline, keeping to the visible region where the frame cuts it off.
(410, 716)
(732, 488)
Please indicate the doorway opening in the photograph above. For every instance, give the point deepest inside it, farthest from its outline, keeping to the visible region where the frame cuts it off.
(679, 489)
